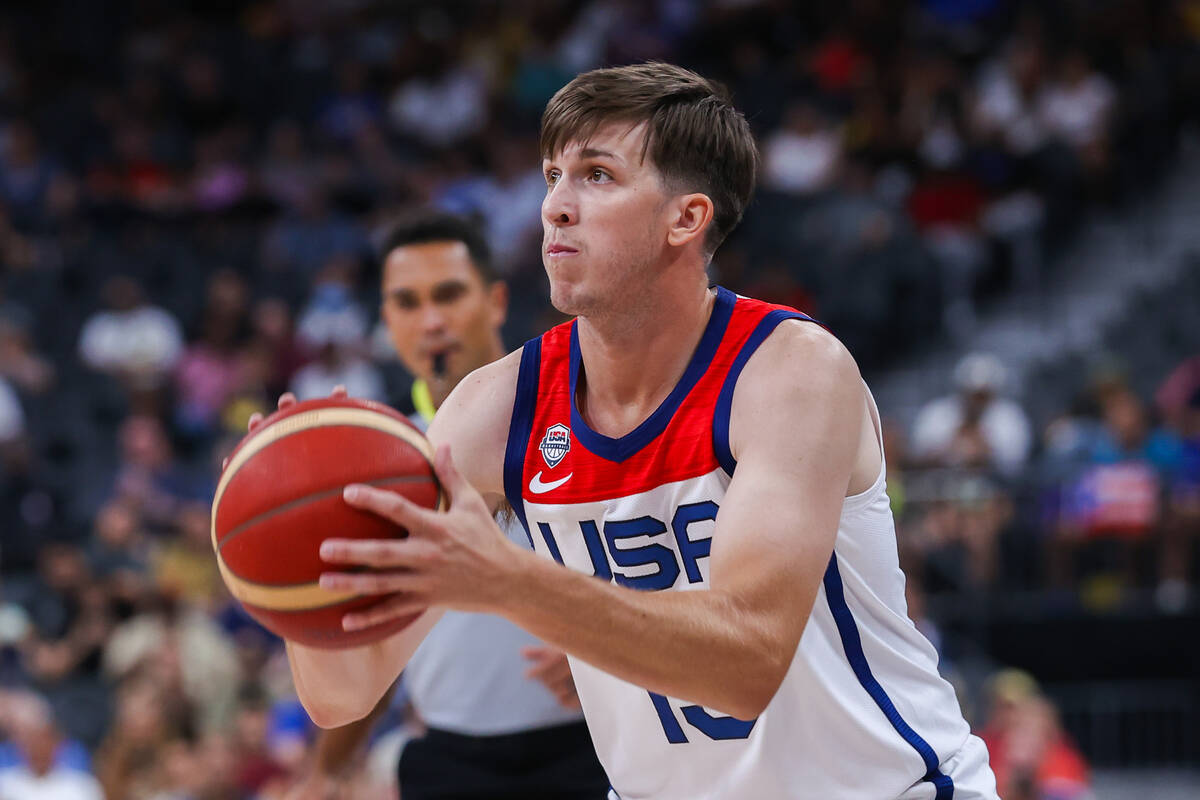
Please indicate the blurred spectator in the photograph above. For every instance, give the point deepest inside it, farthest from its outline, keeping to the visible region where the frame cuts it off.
(311, 234)
(20, 363)
(183, 565)
(148, 477)
(29, 506)
(119, 554)
(1077, 107)
(1006, 95)
(183, 651)
(134, 760)
(70, 617)
(508, 196)
(133, 339)
(334, 326)
(211, 368)
(1175, 392)
(802, 157)
(1182, 525)
(286, 170)
(352, 108)
(975, 427)
(441, 105)
(26, 177)
(30, 722)
(1032, 757)
(1118, 495)
(256, 765)
(273, 336)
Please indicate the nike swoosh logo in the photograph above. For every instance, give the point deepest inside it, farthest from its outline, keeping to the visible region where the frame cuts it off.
(537, 487)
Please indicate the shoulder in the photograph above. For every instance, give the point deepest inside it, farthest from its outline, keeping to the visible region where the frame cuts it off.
(801, 375)
(474, 421)
(800, 356)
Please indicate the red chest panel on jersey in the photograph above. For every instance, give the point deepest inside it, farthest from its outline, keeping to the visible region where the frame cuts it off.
(567, 462)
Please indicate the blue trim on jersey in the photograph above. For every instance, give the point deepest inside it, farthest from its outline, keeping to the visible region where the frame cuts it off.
(852, 644)
(619, 450)
(725, 399)
(520, 428)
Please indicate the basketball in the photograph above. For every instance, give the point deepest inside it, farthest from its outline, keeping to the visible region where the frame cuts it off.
(280, 496)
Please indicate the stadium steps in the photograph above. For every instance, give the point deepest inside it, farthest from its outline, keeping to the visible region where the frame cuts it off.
(1118, 260)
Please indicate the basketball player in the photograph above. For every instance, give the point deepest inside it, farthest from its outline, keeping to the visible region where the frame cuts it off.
(709, 470)
(492, 732)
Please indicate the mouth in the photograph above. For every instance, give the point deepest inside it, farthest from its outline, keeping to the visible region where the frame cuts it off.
(560, 251)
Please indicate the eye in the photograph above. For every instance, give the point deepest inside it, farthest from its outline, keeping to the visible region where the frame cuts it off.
(404, 301)
(448, 293)
(552, 176)
(598, 175)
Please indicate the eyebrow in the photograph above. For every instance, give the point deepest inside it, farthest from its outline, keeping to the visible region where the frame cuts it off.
(591, 152)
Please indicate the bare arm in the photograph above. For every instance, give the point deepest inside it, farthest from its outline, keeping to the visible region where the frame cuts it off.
(795, 430)
(337, 687)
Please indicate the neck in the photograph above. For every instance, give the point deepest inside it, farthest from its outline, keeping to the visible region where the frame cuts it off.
(631, 363)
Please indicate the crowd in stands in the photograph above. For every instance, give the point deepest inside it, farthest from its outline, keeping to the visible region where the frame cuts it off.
(190, 199)
(1105, 500)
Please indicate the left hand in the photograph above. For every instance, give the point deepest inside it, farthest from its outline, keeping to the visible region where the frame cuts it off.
(549, 666)
(457, 558)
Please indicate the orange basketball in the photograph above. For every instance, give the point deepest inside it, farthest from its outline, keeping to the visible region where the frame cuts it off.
(280, 496)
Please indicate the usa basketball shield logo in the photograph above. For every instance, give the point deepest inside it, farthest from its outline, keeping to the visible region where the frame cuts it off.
(555, 444)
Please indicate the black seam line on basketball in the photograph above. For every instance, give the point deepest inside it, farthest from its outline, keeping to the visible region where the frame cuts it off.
(308, 498)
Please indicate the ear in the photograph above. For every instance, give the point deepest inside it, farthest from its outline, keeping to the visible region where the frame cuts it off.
(498, 301)
(693, 214)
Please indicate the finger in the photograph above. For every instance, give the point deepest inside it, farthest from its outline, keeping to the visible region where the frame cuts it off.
(255, 420)
(224, 464)
(566, 695)
(539, 653)
(381, 553)
(398, 606)
(448, 475)
(551, 672)
(390, 505)
(339, 392)
(371, 582)
(286, 400)
(569, 700)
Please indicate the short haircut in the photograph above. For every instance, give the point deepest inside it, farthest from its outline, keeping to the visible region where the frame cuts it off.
(438, 226)
(695, 137)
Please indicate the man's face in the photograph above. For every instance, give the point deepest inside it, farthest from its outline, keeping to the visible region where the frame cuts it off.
(605, 219)
(443, 319)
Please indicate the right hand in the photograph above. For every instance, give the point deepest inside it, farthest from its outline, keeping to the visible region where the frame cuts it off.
(286, 400)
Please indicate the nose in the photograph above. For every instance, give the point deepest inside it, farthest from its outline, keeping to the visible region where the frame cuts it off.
(432, 318)
(559, 207)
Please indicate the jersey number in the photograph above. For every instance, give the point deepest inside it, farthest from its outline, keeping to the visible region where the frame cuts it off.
(716, 728)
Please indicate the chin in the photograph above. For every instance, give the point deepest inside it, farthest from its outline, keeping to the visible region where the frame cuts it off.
(568, 299)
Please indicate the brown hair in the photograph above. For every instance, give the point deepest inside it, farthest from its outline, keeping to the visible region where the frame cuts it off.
(695, 137)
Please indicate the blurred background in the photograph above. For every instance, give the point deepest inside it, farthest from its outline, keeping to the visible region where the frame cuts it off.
(994, 204)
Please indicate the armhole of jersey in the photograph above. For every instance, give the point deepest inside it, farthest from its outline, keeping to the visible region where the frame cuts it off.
(725, 399)
(520, 428)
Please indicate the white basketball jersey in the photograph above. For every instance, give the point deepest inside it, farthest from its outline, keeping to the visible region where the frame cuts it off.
(861, 713)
